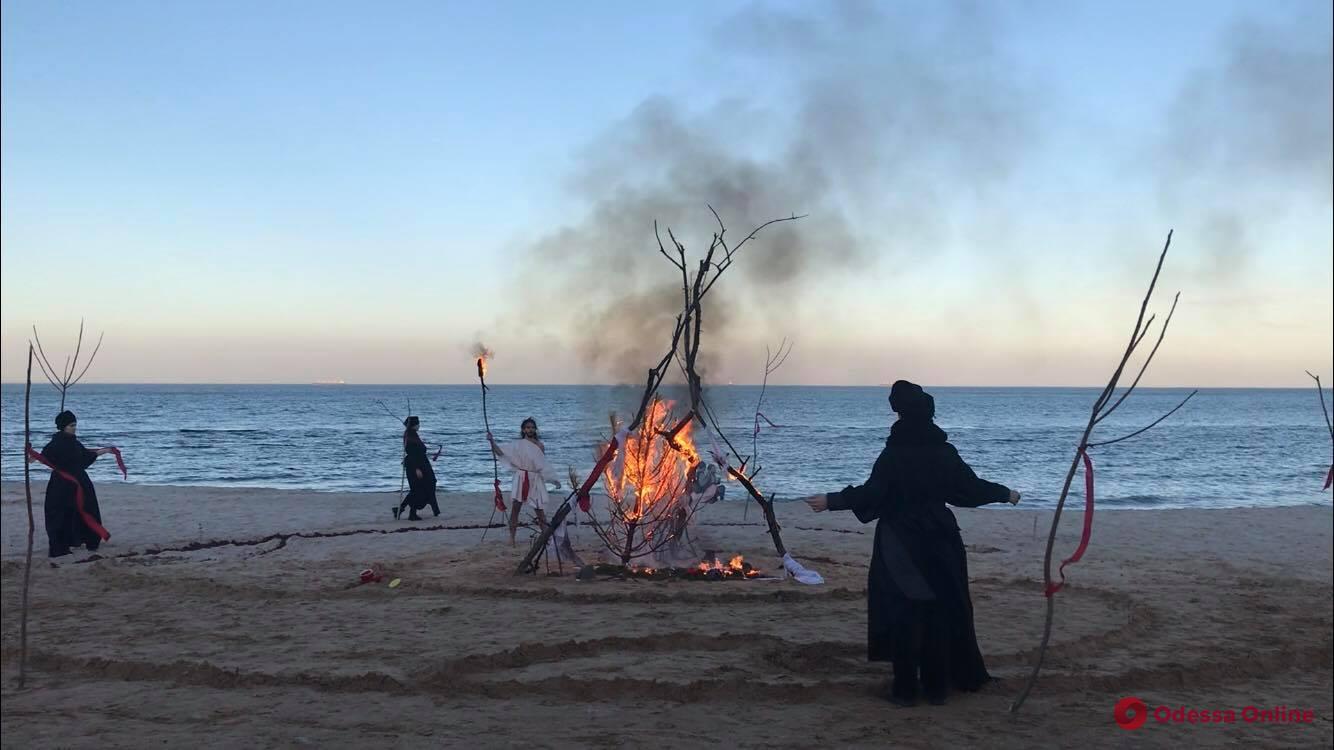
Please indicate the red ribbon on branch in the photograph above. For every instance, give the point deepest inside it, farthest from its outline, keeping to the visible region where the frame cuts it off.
(88, 519)
(499, 497)
(585, 501)
(1053, 587)
(1329, 479)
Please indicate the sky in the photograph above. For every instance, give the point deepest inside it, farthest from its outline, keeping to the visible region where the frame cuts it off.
(289, 192)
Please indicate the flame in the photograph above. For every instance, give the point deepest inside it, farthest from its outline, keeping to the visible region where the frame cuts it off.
(482, 354)
(713, 569)
(657, 465)
(737, 566)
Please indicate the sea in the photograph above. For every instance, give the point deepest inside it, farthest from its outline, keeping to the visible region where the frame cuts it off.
(1224, 448)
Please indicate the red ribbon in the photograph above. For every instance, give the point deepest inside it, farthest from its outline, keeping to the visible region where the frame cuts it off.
(88, 519)
(1329, 479)
(120, 463)
(1052, 588)
(586, 501)
(524, 491)
(499, 498)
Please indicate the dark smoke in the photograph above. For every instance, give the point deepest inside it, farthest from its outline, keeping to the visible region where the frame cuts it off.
(882, 117)
(1250, 136)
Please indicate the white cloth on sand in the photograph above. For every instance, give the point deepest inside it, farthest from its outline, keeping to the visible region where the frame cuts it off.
(800, 572)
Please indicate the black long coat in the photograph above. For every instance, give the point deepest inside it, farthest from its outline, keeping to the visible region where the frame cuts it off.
(65, 526)
(421, 492)
(919, 555)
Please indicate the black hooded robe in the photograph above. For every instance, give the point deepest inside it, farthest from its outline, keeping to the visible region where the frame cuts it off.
(65, 527)
(919, 613)
(421, 492)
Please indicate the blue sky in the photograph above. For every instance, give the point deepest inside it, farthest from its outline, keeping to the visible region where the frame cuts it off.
(249, 192)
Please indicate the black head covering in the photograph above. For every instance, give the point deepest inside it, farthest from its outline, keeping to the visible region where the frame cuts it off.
(411, 422)
(910, 401)
(64, 419)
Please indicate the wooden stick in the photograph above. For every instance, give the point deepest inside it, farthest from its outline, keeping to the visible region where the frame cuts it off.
(486, 422)
(27, 492)
(1320, 391)
(766, 505)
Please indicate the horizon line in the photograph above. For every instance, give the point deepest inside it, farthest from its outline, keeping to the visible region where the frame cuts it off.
(474, 384)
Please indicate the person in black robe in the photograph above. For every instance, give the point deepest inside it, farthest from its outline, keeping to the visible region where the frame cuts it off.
(919, 613)
(65, 525)
(421, 477)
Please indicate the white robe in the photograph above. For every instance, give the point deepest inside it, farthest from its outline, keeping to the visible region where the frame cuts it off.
(526, 459)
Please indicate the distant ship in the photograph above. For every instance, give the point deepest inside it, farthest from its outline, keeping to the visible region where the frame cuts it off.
(330, 382)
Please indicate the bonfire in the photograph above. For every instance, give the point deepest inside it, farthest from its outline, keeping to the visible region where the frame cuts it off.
(652, 492)
(648, 500)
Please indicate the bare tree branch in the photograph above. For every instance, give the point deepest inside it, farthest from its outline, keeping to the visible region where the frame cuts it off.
(66, 378)
(78, 347)
(771, 364)
(1095, 414)
(1321, 391)
(1147, 359)
(45, 364)
(1146, 429)
(385, 407)
(91, 358)
(1135, 334)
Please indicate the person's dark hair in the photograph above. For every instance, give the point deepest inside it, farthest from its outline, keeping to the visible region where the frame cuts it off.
(410, 435)
(525, 423)
(910, 401)
(65, 419)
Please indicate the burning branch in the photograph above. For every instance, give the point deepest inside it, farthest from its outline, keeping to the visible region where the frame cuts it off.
(650, 503)
(65, 378)
(1100, 411)
(1329, 477)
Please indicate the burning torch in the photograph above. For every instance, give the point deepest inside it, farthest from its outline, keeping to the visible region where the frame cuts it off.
(482, 353)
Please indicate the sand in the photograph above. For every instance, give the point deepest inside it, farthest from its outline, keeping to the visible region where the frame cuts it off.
(189, 631)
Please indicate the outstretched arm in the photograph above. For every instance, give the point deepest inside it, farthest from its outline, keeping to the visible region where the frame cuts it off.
(967, 490)
(866, 500)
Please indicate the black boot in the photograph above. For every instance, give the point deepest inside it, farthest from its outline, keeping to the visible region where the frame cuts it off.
(397, 510)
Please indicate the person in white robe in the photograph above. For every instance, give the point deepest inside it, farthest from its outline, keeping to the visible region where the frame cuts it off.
(527, 457)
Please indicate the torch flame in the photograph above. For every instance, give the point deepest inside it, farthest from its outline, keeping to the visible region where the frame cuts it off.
(482, 354)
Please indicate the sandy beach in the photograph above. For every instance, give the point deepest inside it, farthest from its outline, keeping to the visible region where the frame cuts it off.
(234, 618)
